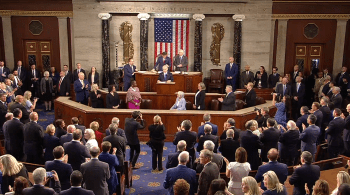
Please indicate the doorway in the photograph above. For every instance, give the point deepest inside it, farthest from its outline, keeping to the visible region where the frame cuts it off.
(38, 52)
(309, 57)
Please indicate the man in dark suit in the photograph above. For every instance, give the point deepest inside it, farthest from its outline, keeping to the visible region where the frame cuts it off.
(129, 74)
(283, 88)
(262, 116)
(185, 133)
(76, 179)
(62, 168)
(304, 174)
(95, 173)
(180, 62)
(304, 112)
(14, 133)
(336, 98)
(208, 136)
(207, 118)
(77, 71)
(161, 61)
(309, 135)
(315, 109)
(326, 112)
(180, 172)
(273, 78)
(346, 133)
(341, 75)
(33, 139)
(209, 172)
(18, 104)
(39, 177)
(75, 122)
(295, 74)
(218, 159)
(229, 102)
(68, 74)
(298, 90)
(69, 136)
(280, 169)
(119, 143)
(4, 71)
(63, 88)
(334, 134)
(229, 146)
(231, 124)
(269, 137)
(120, 132)
(81, 88)
(131, 127)
(165, 76)
(76, 151)
(231, 72)
(34, 78)
(3, 109)
(246, 77)
(21, 71)
(173, 157)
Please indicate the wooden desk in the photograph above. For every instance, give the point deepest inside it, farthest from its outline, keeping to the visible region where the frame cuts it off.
(147, 81)
(167, 88)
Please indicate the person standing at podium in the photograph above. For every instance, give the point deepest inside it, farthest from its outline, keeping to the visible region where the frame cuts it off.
(180, 103)
(161, 61)
(129, 73)
(165, 76)
(133, 96)
(181, 62)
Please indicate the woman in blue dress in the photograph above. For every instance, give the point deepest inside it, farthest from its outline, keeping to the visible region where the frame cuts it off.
(280, 115)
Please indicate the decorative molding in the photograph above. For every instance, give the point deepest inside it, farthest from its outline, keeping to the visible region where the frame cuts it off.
(104, 16)
(36, 13)
(147, 82)
(198, 17)
(175, 16)
(143, 16)
(311, 16)
(239, 18)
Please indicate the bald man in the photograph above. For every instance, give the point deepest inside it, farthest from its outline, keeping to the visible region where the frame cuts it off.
(33, 140)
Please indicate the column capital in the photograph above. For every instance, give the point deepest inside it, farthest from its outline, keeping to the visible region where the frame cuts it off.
(104, 16)
(143, 16)
(198, 17)
(238, 18)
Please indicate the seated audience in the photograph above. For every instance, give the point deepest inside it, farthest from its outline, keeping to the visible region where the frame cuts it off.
(39, 177)
(273, 185)
(342, 177)
(33, 135)
(120, 132)
(90, 137)
(218, 185)
(199, 98)
(133, 96)
(229, 102)
(231, 125)
(19, 184)
(281, 113)
(157, 137)
(261, 78)
(289, 144)
(208, 136)
(237, 170)
(173, 157)
(69, 136)
(250, 96)
(185, 133)
(228, 145)
(209, 172)
(261, 116)
(112, 98)
(50, 142)
(59, 123)
(181, 187)
(180, 103)
(249, 186)
(269, 137)
(76, 180)
(207, 118)
(76, 151)
(95, 97)
(321, 187)
(95, 126)
(165, 76)
(27, 103)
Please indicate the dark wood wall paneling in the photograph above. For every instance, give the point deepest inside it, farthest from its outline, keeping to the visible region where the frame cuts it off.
(326, 36)
(346, 56)
(2, 47)
(310, 7)
(37, 5)
(20, 32)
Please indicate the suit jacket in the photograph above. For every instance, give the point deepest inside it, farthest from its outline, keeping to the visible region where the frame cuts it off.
(31, 76)
(263, 80)
(346, 133)
(22, 75)
(306, 174)
(250, 98)
(173, 160)
(339, 78)
(82, 128)
(213, 138)
(69, 75)
(77, 153)
(299, 93)
(128, 73)
(96, 78)
(231, 72)
(64, 87)
(209, 173)
(251, 143)
(217, 159)
(190, 137)
(3, 112)
(262, 120)
(236, 135)
(335, 131)
(63, 171)
(279, 90)
(112, 100)
(326, 112)
(229, 102)
(294, 75)
(131, 127)
(66, 138)
(49, 143)
(43, 85)
(337, 100)
(95, 176)
(289, 143)
(25, 113)
(245, 79)
(112, 162)
(75, 74)
(325, 88)
(33, 139)
(199, 100)
(169, 76)
(302, 120)
(161, 62)
(269, 138)
(319, 117)
(280, 169)
(181, 106)
(180, 172)
(60, 132)
(41, 190)
(272, 80)
(228, 148)
(14, 129)
(201, 129)
(120, 132)
(178, 61)
(81, 93)
(6, 72)
(119, 143)
(308, 139)
(77, 191)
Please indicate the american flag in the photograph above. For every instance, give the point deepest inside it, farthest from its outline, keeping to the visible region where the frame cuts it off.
(171, 35)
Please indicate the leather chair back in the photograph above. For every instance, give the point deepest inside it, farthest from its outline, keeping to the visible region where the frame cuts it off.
(146, 104)
(239, 104)
(216, 75)
(214, 104)
(260, 100)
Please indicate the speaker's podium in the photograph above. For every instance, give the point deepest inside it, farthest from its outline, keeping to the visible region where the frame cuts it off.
(166, 88)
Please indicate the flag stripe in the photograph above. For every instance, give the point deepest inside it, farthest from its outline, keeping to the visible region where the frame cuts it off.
(187, 38)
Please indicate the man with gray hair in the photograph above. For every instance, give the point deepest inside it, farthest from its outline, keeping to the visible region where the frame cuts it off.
(208, 136)
(173, 157)
(120, 132)
(216, 158)
(336, 98)
(206, 118)
(229, 102)
(229, 146)
(180, 61)
(39, 177)
(209, 172)
(69, 136)
(298, 93)
(180, 172)
(231, 124)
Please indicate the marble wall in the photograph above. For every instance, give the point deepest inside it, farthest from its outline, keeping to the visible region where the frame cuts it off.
(256, 30)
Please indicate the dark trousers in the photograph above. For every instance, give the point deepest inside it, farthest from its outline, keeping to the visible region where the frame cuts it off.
(231, 82)
(127, 86)
(157, 152)
(334, 151)
(134, 153)
(289, 161)
(347, 148)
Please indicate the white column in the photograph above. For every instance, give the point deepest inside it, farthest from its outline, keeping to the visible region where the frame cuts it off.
(272, 38)
(8, 44)
(63, 37)
(339, 45)
(281, 45)
(72, 41)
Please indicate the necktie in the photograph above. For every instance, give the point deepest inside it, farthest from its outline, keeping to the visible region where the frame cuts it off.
(284, 89)
(82, 83)
(165, 76)
(298, 85)
(59, 84)
(19, 71)
(231, 66)
(247, 73)
(163, 61)
(1, 71)
(33, 73)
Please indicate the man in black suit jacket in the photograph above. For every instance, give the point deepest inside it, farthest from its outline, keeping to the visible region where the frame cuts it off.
(209, 172)
(284, 88)
(131, 127)
(68, 74)
(4, 71)
(341, 75)
(346, 133)
(165, 76)
(273, 78)
(22, 72)
(304, 174)
(62, 168)
(63, 87)
(77, 152)
(304, 112)
(75, 122)
(76, 179)
(185, 133)
(231, 123)
(295, 74)
(336, 98)
(120, 132)
(334, 134)
(229, 146)
(119, 143)
(246, 77)
(34, 77)
(77, 71)
(269, 137)
(3, 109)
(229, 102)
(95, 173)
(69, 136)
(315, 109)
(298, 90)
(262, 116)
(39, 176)
(33, 140)
(18, 104)
(208, 136)
(173, 160)
(14, 133)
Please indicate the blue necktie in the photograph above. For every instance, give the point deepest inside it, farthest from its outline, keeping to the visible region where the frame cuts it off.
(165, 76)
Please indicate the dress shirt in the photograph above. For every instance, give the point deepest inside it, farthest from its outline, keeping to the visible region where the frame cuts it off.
(82, 83)
(92, 78)
(195, 99)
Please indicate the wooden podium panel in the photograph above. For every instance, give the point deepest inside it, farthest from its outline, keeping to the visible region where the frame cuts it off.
(167, 88)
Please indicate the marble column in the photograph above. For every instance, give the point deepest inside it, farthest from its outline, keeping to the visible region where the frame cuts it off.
(63, 37)
(8, 44)
(143, 40)
(339, 45)
(281, 45)
(198, 33)
(105, 48)
(237, 46)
